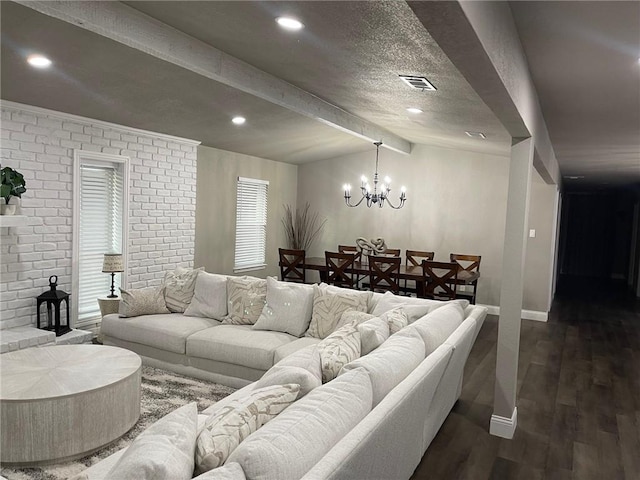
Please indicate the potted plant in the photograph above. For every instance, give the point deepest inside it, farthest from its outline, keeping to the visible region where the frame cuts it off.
(301, 227)
(11, 185)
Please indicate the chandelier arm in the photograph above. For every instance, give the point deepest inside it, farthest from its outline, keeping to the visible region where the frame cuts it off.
(347, 200)
(402, 200)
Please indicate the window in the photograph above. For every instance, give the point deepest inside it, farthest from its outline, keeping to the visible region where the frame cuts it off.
(251, 224)
(100, 206)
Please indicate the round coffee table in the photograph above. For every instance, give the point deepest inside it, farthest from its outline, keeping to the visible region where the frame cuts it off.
(62, 402)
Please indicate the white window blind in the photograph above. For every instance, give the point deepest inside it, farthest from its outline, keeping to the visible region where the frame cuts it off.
(101, 225)
(251, 224)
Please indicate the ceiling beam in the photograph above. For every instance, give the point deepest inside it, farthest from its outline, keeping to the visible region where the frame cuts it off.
(125, 25)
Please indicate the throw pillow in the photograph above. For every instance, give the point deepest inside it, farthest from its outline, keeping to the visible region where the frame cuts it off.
(142, 301)
(230, 425)
(338, 349)
(246, 297)
(353, 316)
(396, 318)
(178, 288)
(288, 308)
(373, 333)
(230, 471)
(209, 297)
(302, 367)
(164, 450)
(328, 308)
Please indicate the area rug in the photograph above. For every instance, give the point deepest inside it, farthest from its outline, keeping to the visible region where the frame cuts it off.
(162, 392)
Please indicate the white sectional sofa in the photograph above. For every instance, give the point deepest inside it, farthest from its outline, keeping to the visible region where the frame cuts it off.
(389, 422)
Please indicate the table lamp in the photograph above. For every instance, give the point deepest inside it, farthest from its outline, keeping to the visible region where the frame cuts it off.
(112, 263)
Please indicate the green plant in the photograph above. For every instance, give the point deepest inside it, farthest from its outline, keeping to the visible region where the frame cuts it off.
(12, 184)
(302, 228)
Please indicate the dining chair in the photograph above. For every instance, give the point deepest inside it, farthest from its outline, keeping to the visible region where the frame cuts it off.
(358, 257)
(338, 265)
(439, 280)
(392, 252)
(471, 264)
(292, 267)
(414, 258)
(384, 274)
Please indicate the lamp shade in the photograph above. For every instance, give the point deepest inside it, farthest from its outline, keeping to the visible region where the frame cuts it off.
(112, 263)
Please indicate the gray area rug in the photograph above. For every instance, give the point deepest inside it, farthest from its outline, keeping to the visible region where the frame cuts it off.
(162, 392)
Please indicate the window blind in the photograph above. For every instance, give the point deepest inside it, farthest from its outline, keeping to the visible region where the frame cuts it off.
(101, 216)
(251, 224)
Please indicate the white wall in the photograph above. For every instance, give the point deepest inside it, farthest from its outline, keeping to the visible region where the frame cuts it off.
(40, 144)
(218, 171)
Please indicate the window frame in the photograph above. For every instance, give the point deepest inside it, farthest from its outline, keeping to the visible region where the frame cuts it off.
(257, 266)
(98, 159)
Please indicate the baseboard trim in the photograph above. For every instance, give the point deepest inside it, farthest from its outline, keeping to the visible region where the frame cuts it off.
(525, 314)
(504, 427)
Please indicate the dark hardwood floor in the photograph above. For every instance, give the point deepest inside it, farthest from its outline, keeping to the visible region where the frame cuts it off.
(578, 397)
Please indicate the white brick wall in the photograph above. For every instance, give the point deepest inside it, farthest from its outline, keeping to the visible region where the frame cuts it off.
(40, 144)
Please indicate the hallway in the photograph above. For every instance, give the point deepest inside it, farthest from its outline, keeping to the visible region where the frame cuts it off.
(578, 396)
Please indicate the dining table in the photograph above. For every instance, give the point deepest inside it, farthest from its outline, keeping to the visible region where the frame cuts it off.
(407, 272)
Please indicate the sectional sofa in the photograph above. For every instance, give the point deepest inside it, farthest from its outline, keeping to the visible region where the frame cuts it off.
(374, 420)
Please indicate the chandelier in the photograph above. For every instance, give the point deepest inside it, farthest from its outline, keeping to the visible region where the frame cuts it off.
(375, 197)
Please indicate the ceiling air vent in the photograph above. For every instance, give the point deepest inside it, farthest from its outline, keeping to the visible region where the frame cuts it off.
(418, 83)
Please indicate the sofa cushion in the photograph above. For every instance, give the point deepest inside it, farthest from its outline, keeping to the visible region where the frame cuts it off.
(166, 332)
(142, 301)
(225, 429)
(289, 348)
(353, 316)
(328, 307)
(246, 297)
(237, 344)
(164, 450)
(178, 288)
(338, 349)
(373, 333)
(390, 363)
(209, 297)
(302, 367)
(293, 442)
(438, 325)
(415, 308)
(288, 308)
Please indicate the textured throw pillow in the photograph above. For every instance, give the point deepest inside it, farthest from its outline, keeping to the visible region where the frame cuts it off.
(288, 446)
(178, 288)
(302, 367)
(338, 349)
(164, 450)
(209, 297)
(328, 308)
(230, 471)
(142, 301)
(288, 308)
(353, 316)
(246, 297)
(396, 319)
(230, 425)
(373, 333)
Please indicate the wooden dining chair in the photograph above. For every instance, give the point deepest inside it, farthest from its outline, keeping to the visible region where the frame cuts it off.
(292, 267)
(358, 257)
(414, 258)
(392, 252)
(338, 266)
(384, 274)
(471, 264)
(439, 280)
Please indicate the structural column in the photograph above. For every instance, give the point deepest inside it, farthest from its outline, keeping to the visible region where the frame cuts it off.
(504, 418)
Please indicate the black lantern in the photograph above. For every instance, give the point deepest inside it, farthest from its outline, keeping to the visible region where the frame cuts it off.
(53, 299)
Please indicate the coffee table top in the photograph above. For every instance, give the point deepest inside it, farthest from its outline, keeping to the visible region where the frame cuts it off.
(61, 370)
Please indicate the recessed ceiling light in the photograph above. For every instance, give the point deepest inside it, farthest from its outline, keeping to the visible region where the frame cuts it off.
(573, 177)
(238, 120)
(38, 61)
(289, 23)
(414, 110)
(476, 135)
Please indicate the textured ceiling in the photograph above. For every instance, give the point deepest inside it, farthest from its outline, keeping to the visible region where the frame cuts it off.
(583, 57)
